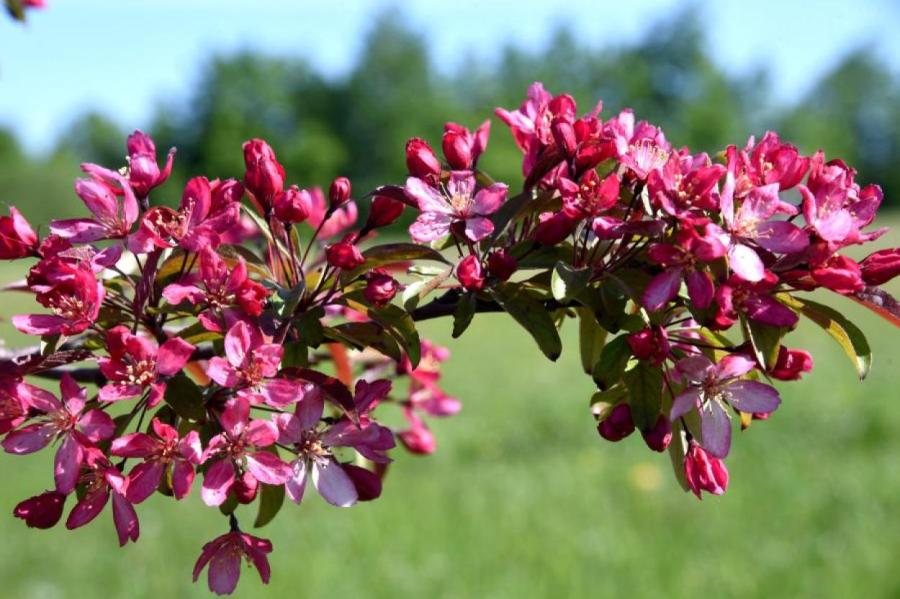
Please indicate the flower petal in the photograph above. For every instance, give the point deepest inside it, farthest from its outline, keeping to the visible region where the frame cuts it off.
(753, 397)
(333, 483)
(715, 427)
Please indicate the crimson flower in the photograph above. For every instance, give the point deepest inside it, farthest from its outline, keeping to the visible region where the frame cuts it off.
(224, 554)
(100, 480)
(112, 220)
(143, 171)
(72, 293)
(17, 238)
(704, 472)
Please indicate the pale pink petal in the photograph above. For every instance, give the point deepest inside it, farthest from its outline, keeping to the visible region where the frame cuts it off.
(222, 372)
(753, 397)
(39, 324)
(489, 200)
(266, 359)
(478, 227)
(280, 393)
(217, 482)
(333, 483)
(262, 433)
(234, 416)
(427, 198)
(268, 468)
(745, 263)
(430, 226)
(734, 365)
(238, 342)
(175, 294)
(79, 230)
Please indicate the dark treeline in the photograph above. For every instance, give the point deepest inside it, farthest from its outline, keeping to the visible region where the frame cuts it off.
(357, 125)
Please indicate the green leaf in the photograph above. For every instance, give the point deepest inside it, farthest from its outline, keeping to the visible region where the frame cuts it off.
(365, 334)
(296, 355)
(309, 325)
(197, 333)
(271, 498)
(396, 321)
(464, 313)
(284, 301)
(613, 360)
(567, 281)
(531, 314)
(419, 290)
(507, 213)
(645, 383)
(391, 253)
(185, 397)
(591, 339)
(849, 337)
(765, 340)
(677, 450)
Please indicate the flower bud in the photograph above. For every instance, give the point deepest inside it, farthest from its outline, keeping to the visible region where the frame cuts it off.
(704, 472)
(344, 255)
(881, 267)
(367, 483)
(553, 229)
(470, 274)
(143, 171)
(384, 211)
(618, 423)
(264, 176)
(791, 364)
(17, 238)
(246, 488)
(501, 264)
(290, 207)
(457, 146)
(658, 437)
(251, 297)
(418, 438)
(840, 274)
(421, 161)
(564, 135)
(651, 344)
(339, 192)
(380, 288)
(41, 511)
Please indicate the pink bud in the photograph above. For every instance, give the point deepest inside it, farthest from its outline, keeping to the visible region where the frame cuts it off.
(339, 192)
(457, 146)
(618, 423)
(791, 364)
(651, 344)
(704, 472)
(470, 274)
(881, 267)
(658, 437)
(290, 207)
(384, 211)
(421, 161)
(344, 255)
(17, 238)
(380, 288)
(246, 488)
(564, 135)
(41, 511)
(264, 176)
(501, 264)
(840, 274)
(553, 229)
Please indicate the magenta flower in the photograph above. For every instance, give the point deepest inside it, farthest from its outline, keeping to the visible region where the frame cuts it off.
(251, 365)
(224, 553)
(162, 451)
(704, 472)
(459, 204)
(100, 480)
(685, 183)
(136, 363)
(462, 147)
(530, 124)
(642, 148)
(13, 410)
(66, 421)
(143, 170)
(208, 211)
(713, 387)
(73, 294)
(218, 289)
(112, 219)
(737, 296)
(41, 511)
(769, 161)
(418, 438)
(239, 447)
(17, 238)
(682, 262)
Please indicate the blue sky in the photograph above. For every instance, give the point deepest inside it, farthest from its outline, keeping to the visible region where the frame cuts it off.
(123, 57)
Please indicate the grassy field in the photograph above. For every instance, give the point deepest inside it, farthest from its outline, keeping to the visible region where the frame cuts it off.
(523, 499)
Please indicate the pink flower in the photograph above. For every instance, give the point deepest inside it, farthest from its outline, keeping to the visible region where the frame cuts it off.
(100, 480)
(840, 274)
(224, 553)
(218, 289)
(65, 420)
(768, 162)
(41, 511)
(136, 363)
(143, 172)
(207, 212)
(530, 124)
(72, 293)
(704, 472)
(239, 449)
(459, 205)
(737, 296)
(17, 238)
(252, 365)
(589, 197)
(339, 192)
(418, 438)
(99, 193)
(384, 211)
(289, 207)
(711, 387)
(791, 364)
(682, 261)
(264, 177)
(462, 147)
(13, 410)
(641, 148)
(685, 183)
(163, 451)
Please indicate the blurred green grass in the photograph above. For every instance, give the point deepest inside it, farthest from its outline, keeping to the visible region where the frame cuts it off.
(523, 499)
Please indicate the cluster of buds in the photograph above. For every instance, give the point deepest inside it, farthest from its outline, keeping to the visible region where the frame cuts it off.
(255, 335)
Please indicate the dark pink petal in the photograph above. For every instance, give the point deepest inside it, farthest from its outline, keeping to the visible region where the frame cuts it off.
(190, 448)
(662, 288)
(280, 393)
(125, 519)
(262, 433)
(182, 479)
(700, 288)
(224, 571)
(734, 366)
(175, 294)
(238, 343)
(367, 483)
(143, 480)
(333, 483)
(268, 468)
(782, 237)
(489, 200)
(33, 437)
(67, 464)
(39, 324)
(118, 392)
(234, 417)
(173, 355)
(164, 431)
(296, 484)
(753, 397)
(256, 549)
(768, 310)
(266, 358)
(38, 398)
(97, 425)
(217, 482)
(209, 549)
(478, 227)
(685, 402)
(88, 508)
(79, 230)
(310, 408)
(367, 395)
(222, 372)
(715, 427)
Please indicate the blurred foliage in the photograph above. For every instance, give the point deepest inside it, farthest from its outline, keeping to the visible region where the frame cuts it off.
(357, 125)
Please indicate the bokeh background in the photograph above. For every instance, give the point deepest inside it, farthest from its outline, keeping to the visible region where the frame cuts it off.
(522, 499)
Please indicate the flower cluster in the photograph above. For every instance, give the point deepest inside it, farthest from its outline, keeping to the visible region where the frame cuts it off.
(256, 335)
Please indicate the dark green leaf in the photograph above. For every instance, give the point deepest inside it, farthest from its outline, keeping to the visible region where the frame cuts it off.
(185, 397)
(465, 311)
(765, 340)
(309, 325)
(645, 383)
(531, 314)
(391, 253)
(591, 338)
(613, 359)
(271, 498)
(568, 281)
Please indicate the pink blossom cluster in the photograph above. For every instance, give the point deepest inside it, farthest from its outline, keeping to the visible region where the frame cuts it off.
(255, 335)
